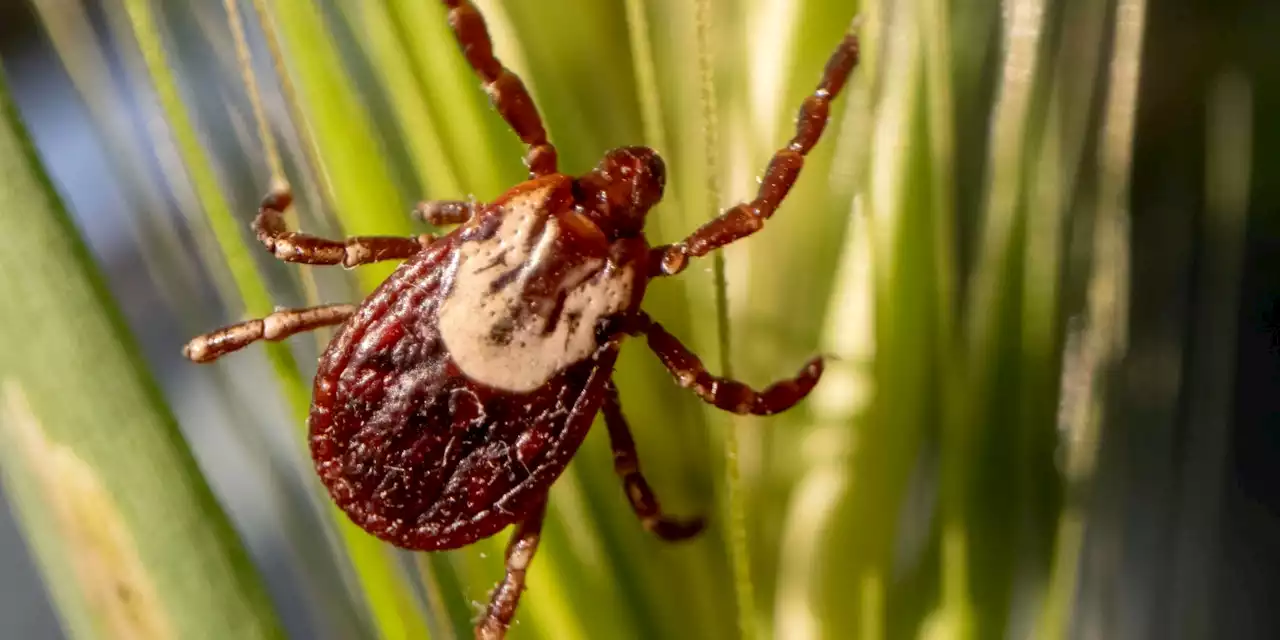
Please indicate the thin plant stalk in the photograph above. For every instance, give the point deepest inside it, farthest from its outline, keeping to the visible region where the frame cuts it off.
(744, 588)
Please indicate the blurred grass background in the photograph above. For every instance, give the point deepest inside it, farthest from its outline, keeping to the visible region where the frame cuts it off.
(1034, 242)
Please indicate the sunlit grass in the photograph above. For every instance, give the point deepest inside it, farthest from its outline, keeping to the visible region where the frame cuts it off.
(925, 249)
(130, 539)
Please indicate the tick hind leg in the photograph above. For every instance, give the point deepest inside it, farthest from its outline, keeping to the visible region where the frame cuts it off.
(627, 464)
(748, 217)
(723, 393)
(277, 326)
(505, 599)
(292, 246)
(506, 91)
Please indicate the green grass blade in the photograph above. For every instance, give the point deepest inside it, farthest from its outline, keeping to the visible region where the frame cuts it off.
(393, 611)
(227, 229)
(1048, 356)
(473, 138)
(1103, 340)
(352, 162)
(131, 540)
(987, 509)
(81, 50)
(735, 498)
(421, 134)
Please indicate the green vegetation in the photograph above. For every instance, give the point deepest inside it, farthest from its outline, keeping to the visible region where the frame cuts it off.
(962, 205)
(130, 538)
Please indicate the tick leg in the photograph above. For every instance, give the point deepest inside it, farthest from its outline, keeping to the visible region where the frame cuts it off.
(748, 217)
(506, 91)
(277, 326)
(730, 395)
(443, 212)
(627, 464)
(520, 550)
(292, 246)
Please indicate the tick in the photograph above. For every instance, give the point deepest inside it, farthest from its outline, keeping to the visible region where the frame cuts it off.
(449, 400)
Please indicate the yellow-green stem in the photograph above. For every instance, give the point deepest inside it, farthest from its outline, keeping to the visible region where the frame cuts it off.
(739, 553)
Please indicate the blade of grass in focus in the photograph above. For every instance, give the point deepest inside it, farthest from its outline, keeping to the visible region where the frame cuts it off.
(131, 541)
(735, 513)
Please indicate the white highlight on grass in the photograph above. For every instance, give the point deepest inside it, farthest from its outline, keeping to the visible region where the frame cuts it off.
(891, 135)
(1103, 338)
(816, 497)
(69, 502)
(771, 30)
(1024, 22)
(850, 327)
(845, 392)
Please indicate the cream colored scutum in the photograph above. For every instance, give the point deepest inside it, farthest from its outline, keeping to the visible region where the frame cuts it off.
(473, 311)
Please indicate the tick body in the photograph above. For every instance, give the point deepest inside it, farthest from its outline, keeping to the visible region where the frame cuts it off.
(450, 400)
(458, 391)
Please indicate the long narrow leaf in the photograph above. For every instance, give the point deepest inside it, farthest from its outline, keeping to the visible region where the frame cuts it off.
(129, 536)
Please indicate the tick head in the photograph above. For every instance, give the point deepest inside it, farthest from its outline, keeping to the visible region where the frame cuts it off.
(618, 193)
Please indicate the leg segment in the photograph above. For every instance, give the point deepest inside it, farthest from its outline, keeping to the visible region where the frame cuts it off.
(502, 605)
(506, 90)
(292, 246)
(444, 212)
(627, 464)
(730, 395)
(748, 217)
(277, 326)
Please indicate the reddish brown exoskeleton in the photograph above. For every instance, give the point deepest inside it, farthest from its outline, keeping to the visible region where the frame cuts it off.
(451, 398)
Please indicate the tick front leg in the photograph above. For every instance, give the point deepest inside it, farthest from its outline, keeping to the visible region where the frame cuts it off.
(627, 464)
(506, 91)
(505, 599)
(748, 217)
(291, 246)
(444, 212)
(277, 326)
(730, 395)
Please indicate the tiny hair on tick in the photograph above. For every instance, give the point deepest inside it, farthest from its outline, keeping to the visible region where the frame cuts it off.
(451, 398)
